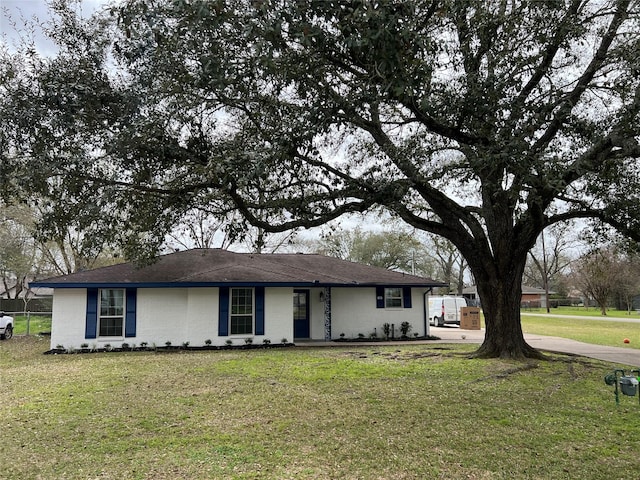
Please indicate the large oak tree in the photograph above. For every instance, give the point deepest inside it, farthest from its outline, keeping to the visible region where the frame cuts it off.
(481, 121)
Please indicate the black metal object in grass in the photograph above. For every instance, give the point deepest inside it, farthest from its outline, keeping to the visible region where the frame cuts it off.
(628, 383)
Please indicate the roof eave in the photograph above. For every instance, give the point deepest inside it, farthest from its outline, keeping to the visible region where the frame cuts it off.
(316, 284)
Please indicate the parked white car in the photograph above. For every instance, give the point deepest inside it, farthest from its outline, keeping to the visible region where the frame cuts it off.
(6, 326)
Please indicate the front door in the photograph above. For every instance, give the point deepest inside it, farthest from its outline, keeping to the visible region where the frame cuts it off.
(301, 314)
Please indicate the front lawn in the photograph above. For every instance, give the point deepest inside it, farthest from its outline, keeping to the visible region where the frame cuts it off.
(345, 412)
(598, 332)
(584, 312)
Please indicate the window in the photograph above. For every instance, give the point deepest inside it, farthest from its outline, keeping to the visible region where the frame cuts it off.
(241, 311)
(393, 297)
(111, 318)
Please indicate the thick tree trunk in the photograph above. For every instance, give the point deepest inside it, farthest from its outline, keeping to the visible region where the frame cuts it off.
(500, 299)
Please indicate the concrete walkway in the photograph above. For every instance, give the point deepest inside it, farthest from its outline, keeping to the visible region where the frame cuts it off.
(624, 356)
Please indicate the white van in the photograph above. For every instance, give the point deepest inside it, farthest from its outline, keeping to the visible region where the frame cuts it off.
(445, 310)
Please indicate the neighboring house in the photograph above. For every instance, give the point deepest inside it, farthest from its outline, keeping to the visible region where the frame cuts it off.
(212, 294)
(532, 297)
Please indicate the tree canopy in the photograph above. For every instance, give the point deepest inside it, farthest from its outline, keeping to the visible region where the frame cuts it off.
(480, 121)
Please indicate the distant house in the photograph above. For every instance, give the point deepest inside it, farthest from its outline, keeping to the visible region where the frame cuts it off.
(212, 294)
(531, 296)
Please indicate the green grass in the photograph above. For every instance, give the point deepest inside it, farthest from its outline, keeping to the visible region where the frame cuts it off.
(352, 412)
(598, 332)
(583, 312)
(36, 323)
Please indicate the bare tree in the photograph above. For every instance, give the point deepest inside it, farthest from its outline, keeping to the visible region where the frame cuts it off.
(550, 257)
(451, 265)
(18, 250)
(628, 285)
(596, 275)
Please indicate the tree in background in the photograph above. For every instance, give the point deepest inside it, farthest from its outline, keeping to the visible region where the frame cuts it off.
(483, 122)
(597, 275)
(451, 265)
(397, 248)
(201, 229)
(394, 250)
(18, 250)
(628, 286)
(550, 258)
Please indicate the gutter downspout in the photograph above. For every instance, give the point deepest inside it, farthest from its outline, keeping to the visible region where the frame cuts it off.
(425, 311)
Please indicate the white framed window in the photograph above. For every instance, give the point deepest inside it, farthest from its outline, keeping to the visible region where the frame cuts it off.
(111, 312)
(393, 297)
(241, 311)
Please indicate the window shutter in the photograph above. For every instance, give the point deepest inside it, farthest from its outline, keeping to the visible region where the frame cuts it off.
(406, 297)
(379, 297)
(223, 312)
(259, 310)
(91, 325)
(130, 316)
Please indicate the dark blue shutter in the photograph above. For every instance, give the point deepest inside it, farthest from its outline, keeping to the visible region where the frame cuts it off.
(130, 317)
(379, 297)
(259, 310)
(223, 312)
(91, 324)
(406, 297)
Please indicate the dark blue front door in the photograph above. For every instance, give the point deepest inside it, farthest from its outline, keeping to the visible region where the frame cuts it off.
(301, 314)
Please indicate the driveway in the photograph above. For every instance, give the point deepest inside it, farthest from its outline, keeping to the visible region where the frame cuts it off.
(622, 355)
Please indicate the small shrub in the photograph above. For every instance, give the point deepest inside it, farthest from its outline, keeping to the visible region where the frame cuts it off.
(284, 340)
(342, 335)
(84, 345)
(361, 335)
(108, 347)
(386, 328)
(185, 345)
(373, 335)
(59, 347)
(266, 341)
(405, 328)
(208, 342)
(168, 343)
(124, 346)
(144, 344)
(248, 340)
(228, 341)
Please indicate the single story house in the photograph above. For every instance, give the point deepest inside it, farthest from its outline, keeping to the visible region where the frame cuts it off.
(531, 296)
(217, 295)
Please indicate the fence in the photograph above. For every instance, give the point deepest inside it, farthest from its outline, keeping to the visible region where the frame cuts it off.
(19, 305)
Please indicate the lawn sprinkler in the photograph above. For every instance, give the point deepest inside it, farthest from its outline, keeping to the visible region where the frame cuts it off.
(628, 383)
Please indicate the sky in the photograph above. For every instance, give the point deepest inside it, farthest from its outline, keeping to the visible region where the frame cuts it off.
(14, 14)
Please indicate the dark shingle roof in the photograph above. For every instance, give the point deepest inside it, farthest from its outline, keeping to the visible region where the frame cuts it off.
(217, 267)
